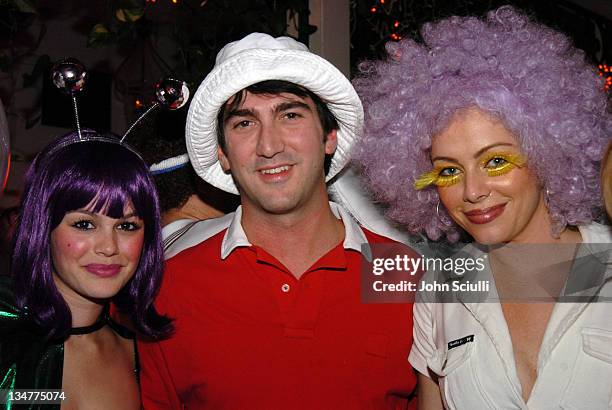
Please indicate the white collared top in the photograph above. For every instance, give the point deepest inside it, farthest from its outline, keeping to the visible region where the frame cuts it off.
(235, 236)
(478, 371)
(186, 234)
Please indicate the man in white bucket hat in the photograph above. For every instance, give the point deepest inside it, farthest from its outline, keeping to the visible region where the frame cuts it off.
(267, 299)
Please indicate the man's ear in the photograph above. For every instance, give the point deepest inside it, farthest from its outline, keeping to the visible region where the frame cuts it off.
(223, 160)
(331, 142)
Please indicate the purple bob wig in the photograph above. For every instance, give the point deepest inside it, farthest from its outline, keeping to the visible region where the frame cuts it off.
(525, 74)
(70, 174)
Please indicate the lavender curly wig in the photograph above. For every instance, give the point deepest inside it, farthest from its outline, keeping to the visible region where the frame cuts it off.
(68, 175)
(526, 74)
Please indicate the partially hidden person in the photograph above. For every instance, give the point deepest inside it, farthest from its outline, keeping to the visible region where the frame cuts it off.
(184, 197)
(6, 215)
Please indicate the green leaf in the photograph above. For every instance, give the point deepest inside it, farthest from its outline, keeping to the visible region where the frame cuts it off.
(129, 15)
(99, 29)
(100, 36)
(25, 6)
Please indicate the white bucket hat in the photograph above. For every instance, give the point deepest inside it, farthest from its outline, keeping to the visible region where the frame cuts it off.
(260, 57)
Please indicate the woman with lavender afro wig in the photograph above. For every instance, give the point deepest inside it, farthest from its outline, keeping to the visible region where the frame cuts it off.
(88, 235)
(495, 128)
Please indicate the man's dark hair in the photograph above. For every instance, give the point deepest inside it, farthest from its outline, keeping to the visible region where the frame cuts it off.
(273, 87)
(161, 136)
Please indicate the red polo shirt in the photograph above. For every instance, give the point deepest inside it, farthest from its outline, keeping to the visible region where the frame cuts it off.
(251, 335)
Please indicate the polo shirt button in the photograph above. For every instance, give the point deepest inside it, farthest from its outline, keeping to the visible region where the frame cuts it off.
(285, 288)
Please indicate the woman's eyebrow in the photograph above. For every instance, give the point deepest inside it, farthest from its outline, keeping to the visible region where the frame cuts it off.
(488, 147)
(477, 154)
(92, 214)
(449, 159)
(81, 211)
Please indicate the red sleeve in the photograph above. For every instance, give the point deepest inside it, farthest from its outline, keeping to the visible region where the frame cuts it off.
(156, 384)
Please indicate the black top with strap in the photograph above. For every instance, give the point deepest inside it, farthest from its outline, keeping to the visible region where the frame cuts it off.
(28, 360)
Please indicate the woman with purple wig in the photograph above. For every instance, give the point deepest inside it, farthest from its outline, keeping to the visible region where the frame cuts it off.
(493, 129)
(88, 236)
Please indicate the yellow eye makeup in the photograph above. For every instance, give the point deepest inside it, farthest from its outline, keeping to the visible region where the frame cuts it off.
(497, 164)
(494, 164)
(439, 176)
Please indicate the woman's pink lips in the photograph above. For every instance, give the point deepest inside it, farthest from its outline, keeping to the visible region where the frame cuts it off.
(103, 270)
(483, 216)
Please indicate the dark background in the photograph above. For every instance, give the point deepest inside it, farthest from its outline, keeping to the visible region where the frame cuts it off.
(370, 30)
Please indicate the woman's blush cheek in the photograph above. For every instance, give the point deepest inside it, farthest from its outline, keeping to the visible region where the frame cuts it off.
(66, 246)
(132, 247)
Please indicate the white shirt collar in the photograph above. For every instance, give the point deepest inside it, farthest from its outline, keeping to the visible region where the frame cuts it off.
(235, 237)
(174, 226)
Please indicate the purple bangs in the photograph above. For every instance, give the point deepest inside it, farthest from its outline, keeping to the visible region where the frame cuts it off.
(523, 73)
(100, 175)
(111, 181)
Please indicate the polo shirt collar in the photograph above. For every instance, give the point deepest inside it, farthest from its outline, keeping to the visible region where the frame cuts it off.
(235, 236)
